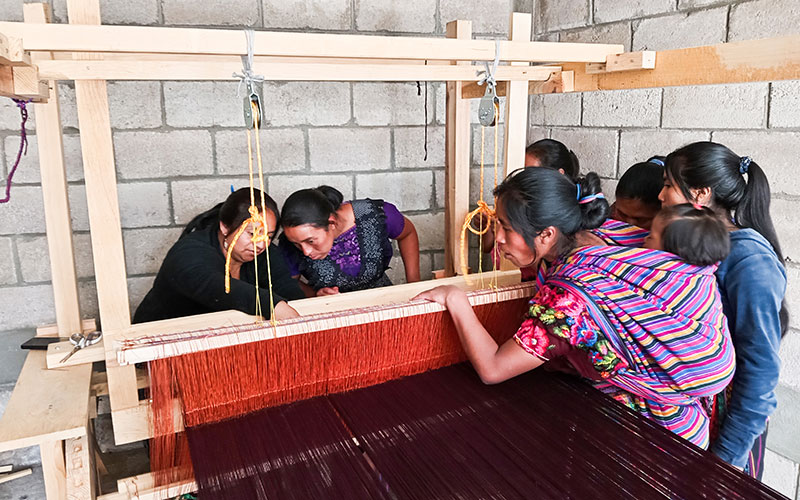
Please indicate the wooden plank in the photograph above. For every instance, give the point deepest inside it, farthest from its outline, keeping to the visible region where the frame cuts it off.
(196, 70)
(457, 160)
(136, 423)
(99, 383)
(58, 223)
(58, 350)
(5, 468)
(4, 478)
(232, 42)
(46, 405)
(80, 469)
(764, 60)
(555, 83)
(28, 85)
(142, 487)
(87, 325)
(629, 61)
(11, 53)
(104, 222)
(54, 469)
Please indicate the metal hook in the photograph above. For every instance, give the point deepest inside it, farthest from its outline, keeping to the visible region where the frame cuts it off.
(252, 108)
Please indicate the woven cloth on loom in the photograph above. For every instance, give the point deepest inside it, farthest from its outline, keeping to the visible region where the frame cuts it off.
(445, 435)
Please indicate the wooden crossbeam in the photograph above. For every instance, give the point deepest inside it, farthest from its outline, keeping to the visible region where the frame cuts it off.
(163, 40)
(629, 61)
(11, 53)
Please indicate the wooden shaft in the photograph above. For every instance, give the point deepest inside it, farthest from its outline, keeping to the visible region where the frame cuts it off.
(54, 470)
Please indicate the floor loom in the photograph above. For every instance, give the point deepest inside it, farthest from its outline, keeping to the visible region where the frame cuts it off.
(35, 55)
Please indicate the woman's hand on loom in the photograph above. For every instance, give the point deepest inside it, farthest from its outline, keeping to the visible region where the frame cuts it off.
(441, 294)
(285, 311)
(328, 290)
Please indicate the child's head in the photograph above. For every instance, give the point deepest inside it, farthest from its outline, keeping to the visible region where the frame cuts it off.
(552, 154)
(637, 193)
(694, 233)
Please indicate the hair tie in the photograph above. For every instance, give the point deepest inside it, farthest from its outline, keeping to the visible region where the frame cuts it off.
(744, 164)
(697, 206)
(656, 161)
(578, 197)
(590, 198)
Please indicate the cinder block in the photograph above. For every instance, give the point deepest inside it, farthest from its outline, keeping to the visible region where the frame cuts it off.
(696, 4)
(440, 94)
(193, 197)
(397, 270)
(792, 292)
(619, 32)
(609, 187)
(8, 275)
(638, 145)
(135, 104)
(211, 12)
(780, 473)
(596, 149)
(24, 212)
(784, 216)
(175, 153)
(487, 139)
(416, 17)
(138, 287)
(438, 187)
(10, 10)
(203, 104)
(487, 16)
(705, 27)
(438, 261)
(561, 14)
(775, 153)
(537, 133)
(346, 149)
(311, 14)
(281, 186)
(282, 150)
(763, 19)
(87, 297)
(715, 106)
(488, 185)
(784, 103)
(391, 104)
(143, 204)
(26, 306)
(306, 103)
(67, 106)
(406, 190)
(116, 11)
(145, 249)
(409, 147)
(790, 352)
(430, 229)
(784, 425)
(606, 11)
(35, 261)
(29, 168)
(78, 210)
(622, 108)
(10, 118)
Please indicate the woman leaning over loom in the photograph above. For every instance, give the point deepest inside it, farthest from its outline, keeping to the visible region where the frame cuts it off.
(608, 313)
(342, 246)
(192, 278)
(752, 281)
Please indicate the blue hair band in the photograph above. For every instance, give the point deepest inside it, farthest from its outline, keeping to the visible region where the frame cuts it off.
(744, 164)
(656, 161)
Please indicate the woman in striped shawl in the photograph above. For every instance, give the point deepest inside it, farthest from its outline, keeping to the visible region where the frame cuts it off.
(644, 327)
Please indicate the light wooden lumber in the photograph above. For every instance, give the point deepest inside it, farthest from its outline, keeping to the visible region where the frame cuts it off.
(558, 82)
(165, 40)
(46, 405)
(4, 478)
(629, 61)
(58, 350)
(87, 325)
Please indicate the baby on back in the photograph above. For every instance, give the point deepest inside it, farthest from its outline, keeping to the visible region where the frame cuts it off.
(694, 233)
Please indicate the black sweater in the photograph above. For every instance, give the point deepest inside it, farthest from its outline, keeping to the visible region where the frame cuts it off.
(192, 281)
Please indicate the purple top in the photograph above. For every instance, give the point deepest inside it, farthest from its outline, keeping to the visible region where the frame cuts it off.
(345, 251)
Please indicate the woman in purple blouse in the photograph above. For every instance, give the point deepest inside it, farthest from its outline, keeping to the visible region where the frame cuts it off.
(342, 246)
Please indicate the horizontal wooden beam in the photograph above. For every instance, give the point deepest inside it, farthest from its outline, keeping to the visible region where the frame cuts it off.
(556, 83)
(764, 60)
(58, 350)
(197, 70)
(628, 61)
(136, 424)
(11, 53)
(143, 487)
(77, 38)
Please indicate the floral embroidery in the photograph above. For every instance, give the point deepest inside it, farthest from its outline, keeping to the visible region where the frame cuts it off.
(533, 338)
(346, 253)
(565, 316)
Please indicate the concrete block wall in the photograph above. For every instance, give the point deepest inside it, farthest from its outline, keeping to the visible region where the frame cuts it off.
(612, 130)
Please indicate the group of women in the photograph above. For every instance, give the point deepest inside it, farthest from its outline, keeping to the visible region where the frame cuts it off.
(682, 323)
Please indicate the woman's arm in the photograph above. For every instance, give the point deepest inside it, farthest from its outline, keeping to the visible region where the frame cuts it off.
(408, 241)
(493, 363)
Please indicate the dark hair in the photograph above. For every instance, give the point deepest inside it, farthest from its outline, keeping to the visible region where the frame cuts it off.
(555, 155)
(232, 212)
(708, 164)
(643, 181)
(536, 198)
(694, 233)
(311, 206)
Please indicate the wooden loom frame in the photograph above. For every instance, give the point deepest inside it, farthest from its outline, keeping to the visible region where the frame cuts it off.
(90, 54)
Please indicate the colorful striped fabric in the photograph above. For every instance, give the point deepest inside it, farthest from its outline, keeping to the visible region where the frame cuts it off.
(664, 318)
(618, 233)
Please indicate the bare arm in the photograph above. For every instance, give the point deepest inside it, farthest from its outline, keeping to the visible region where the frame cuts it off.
(408, 241)
(493, 363)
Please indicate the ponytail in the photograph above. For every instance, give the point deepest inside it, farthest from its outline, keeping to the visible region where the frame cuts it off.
(753, 210)
(592, 202)
(311, 206)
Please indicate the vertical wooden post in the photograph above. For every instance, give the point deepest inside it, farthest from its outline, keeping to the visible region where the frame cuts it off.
(99, 170)
(456, 177)
(54, 470)
(516, 131)
(56, 201)
(80, 468)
